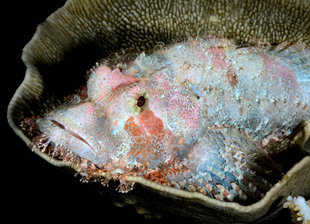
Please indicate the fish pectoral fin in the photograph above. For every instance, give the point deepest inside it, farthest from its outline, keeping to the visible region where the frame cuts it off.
(228, 165)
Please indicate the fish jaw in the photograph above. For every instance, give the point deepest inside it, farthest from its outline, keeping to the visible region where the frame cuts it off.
(77, 129)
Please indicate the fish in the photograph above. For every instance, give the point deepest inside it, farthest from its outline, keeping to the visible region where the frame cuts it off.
(203, 115)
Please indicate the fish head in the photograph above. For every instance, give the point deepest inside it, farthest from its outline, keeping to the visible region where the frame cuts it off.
(126, 123)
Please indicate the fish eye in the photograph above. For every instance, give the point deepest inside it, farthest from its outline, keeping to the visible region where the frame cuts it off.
(141, 101)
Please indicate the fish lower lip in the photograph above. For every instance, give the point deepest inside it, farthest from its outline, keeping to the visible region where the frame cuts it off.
(72, 133)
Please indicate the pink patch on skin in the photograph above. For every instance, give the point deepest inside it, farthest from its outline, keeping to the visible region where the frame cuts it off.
(192, 116)
(166, 85)
(103, 70)
(279, 70)
(134, 92)
(218, 59)
(179, 102)
(90, 110)
(160, 78)
(200, 55)
(176, 101)
(111, 80)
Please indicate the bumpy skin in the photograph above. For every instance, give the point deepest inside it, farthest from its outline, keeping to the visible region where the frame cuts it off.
(194, 116)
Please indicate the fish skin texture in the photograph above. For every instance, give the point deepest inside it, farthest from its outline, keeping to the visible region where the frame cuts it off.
(209, 109)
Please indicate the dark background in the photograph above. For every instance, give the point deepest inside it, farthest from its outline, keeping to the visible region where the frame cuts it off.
(32, 189)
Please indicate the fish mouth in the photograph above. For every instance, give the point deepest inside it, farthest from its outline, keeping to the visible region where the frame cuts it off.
(72, 133)
(44, 141)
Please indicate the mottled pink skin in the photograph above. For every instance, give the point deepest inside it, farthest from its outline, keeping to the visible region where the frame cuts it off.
(218, 58)
(278, 70)
(190, 115)
(162, 81)
(189, 89)
(199, 54)
(90, 110)
(107, 80)
(113, 79)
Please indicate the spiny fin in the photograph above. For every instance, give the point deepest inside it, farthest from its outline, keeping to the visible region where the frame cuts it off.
(296, 57)
(228, 165)
(299, 137)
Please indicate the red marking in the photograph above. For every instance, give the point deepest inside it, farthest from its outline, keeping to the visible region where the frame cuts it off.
(232, 76)
(218, 59)
(152, 124)
(278, 70)
(133, 128)
(160, 175)
(142, 147)
(146, 122)
(145, 127)
(157, 176)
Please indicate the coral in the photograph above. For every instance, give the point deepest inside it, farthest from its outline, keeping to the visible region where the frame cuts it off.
(300, 209)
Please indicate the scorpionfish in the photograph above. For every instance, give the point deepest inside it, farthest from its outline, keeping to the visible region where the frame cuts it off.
(197, 115)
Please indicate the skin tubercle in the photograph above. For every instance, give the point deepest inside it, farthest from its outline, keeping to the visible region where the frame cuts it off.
(192, 116)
